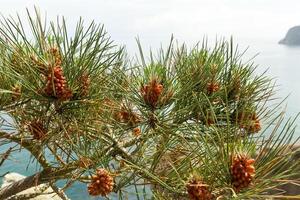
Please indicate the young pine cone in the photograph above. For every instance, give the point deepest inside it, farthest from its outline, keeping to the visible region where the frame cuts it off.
(253, 126)
(242, 171)
(102, 183)
(197, 190)
(152, 92)
(136, 132)
(250, 122)
(212, 87)
(127, 116)
(56, 85)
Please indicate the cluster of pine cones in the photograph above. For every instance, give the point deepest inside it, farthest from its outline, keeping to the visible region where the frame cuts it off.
(242, 172)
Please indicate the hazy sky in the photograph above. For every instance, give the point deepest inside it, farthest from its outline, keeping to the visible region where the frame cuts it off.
(189, 20)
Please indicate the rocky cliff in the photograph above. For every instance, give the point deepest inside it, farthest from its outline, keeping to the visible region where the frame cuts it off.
(292, 37)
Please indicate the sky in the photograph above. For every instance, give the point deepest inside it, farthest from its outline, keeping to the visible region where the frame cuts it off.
(154, 21)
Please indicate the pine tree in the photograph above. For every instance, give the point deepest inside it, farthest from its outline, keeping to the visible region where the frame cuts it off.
(186, 124)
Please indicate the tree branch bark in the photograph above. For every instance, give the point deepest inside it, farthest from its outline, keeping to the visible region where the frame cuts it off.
(21, 185)
(44, 176)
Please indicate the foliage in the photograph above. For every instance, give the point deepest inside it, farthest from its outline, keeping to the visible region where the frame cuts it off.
(167, 124)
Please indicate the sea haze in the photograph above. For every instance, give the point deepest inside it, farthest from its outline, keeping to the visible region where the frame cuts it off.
(256, 24)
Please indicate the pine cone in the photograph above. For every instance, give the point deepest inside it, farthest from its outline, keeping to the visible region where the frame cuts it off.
(127, 116)
(197, 190)
(136, 131)
(242, 172)
(254, 126)
(56, 85)
(212, 87)
(37, 129)
(210, 121)
(249, 122)
(102, 183)
(152, 92)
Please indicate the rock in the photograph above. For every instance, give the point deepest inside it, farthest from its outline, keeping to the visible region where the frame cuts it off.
(292, 188)
(292, 37)
(45, 191)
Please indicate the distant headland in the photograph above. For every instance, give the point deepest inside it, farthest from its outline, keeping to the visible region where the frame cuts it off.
(292, 37)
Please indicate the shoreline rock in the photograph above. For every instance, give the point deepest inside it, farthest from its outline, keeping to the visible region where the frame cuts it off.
(41, 192)
(292, 38)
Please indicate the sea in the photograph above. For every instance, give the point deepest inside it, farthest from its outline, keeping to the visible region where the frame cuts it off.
(281, 62)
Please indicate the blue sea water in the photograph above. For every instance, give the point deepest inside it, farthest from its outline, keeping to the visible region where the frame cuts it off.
(283, 62)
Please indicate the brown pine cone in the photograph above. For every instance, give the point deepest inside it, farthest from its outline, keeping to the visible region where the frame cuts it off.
(56, 85)
(136, 132)
(152, 92)
(102, 183)
(197, 190)
(254, 126)
(127, 116)
(242, 172)
(212, 87)
(250, 123)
